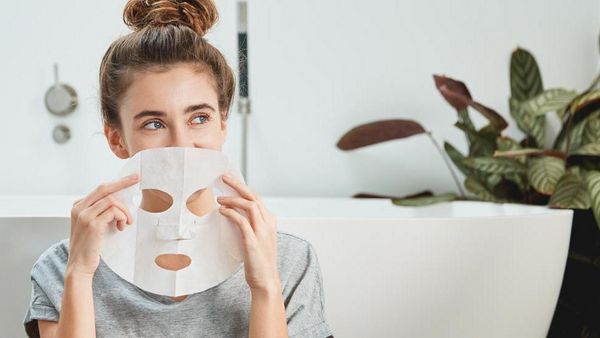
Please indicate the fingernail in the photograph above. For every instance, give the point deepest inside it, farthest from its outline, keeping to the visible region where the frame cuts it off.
(132, 176)
(225, 176)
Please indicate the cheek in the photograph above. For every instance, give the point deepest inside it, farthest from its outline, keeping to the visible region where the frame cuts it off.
(211, 139)
(141, 141)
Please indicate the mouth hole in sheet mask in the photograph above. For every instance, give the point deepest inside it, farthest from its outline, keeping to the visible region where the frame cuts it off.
(155, 200)
(201, 202)
(173, 262)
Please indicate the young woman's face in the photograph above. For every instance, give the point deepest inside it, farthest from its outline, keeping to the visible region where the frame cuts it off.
(175, 108)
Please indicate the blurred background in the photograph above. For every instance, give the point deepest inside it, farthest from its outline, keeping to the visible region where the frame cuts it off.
(316, 69)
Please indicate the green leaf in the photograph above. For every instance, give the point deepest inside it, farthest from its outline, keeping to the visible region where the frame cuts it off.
(583, 100)
(457, 158)
(465, 120)
(572, 138)
(518, 179)
(544, 172)
(506, 143)
(592, 180)
(570, 192)
(591, 131)
(547, 101)
(425, 200)
(525, 78)
(496, 165)
(492, 180)
(527, 123)
(480, 191)
(590, 149)
(480, 144)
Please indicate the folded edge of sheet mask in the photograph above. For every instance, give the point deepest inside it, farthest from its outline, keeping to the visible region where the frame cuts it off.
(212, 241)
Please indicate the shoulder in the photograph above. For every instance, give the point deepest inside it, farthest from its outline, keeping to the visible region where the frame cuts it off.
(296, 257)
(53, 261)
(292, 248)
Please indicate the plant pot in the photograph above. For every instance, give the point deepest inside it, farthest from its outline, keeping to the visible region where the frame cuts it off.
(577, 312)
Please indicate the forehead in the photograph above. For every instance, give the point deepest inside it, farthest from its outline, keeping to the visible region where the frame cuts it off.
(177, 86)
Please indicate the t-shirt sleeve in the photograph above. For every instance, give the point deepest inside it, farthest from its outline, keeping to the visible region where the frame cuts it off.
(40, 307)
(304, 297)
(46, 289)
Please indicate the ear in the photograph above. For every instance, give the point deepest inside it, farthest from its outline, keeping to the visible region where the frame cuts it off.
(224, 129)
(115, 141)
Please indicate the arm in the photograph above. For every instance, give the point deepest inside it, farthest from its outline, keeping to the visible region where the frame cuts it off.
(267, 314)
(259, 238)
(77, 310)
(90, 217)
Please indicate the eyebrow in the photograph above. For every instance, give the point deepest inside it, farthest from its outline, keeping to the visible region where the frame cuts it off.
(189, 109)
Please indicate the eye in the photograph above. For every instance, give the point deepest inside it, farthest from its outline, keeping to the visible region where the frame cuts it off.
(204, 118)
(154, 124)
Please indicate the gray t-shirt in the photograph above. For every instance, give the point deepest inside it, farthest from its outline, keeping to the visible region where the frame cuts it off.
(124, 310)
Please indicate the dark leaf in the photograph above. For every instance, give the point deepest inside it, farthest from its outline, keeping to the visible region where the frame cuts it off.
(377, 132)
(455, 92)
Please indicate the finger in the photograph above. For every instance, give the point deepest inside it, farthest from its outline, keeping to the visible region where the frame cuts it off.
(109, 188)
(250, 207)
(108, 201)
(245, 192)
(77, 201)
(112, 214)
(261, 204)
(240, 221)
(240, 187)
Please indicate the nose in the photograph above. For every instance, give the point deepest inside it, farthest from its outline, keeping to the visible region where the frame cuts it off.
(179, 138)
(175, 232)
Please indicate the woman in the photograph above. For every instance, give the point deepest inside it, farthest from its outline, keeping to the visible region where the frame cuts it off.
(164, 85)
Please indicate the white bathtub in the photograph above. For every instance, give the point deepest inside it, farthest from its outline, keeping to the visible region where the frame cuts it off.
(458, 269)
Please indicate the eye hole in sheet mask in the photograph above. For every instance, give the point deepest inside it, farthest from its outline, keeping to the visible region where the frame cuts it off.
(204, 207)
(154, 200)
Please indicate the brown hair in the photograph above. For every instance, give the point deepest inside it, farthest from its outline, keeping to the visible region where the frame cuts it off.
(165, 32)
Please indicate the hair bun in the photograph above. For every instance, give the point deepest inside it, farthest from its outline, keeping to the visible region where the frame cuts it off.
(199, 15)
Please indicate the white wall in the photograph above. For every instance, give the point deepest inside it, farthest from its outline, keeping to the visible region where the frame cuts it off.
(317, 68)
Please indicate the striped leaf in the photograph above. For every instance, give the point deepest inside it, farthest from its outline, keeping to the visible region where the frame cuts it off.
(547, 101)
(506, 143)
(457, 158)
(591, 131)
(425, 200)
(570, 193)
(465, 119)
(583, 100)
(527, 123)
(590, 149)
(525, 77)
(492, 180)
(480, 191)
(495, 165)
(544, 172)
(573, 137)
(480, 145)
(592, 180)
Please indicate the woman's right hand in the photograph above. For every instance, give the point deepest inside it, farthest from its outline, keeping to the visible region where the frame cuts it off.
(90, 218)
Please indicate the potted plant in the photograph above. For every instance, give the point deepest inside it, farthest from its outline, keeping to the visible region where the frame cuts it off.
(501, 169)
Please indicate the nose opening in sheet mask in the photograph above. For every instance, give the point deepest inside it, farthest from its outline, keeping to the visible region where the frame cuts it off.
(154, 200)
(200, 202)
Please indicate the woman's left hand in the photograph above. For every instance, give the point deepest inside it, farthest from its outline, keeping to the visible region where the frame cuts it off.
(259, 236)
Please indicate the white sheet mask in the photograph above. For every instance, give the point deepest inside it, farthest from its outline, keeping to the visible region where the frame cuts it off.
(211, 241)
